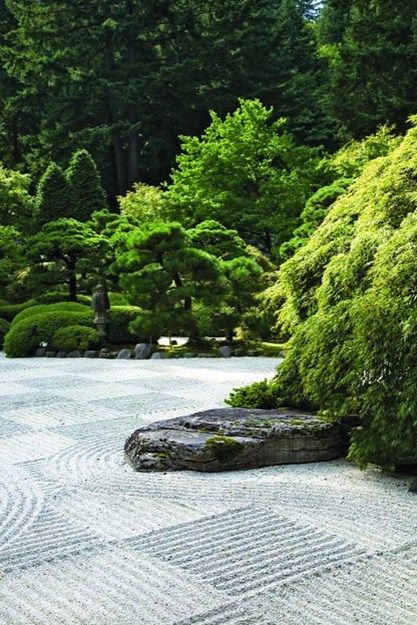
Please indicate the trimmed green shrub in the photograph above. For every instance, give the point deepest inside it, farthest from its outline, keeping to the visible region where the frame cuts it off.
(4, 328)
(65, 307)
(256, 395)
(75, 337)
(9, 311)
(350, 302)
(26, 336)
(118, 330)
(50, 308)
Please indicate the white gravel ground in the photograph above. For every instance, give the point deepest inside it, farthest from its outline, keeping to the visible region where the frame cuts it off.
(86, 541)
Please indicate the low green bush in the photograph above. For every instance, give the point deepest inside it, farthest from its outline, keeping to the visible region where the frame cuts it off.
(26, 336)
(50, 308)
(9, 311)
(75, 337)
(4, 328)
(118, 330)
(256, 395)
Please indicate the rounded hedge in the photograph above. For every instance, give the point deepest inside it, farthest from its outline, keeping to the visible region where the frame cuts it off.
(351, 306)
(26, 336)
(38, 324)
(50, 308)
(4, 328)
(75, 337)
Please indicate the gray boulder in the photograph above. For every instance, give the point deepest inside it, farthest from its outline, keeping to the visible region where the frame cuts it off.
(40, 352)
(225, 351)
(50, 354)
(413, 486)
(239, 352)
(104, 353)
(189, 355)
(233, 438)
(90, 353)
(158, 356)
(74, 354)
(61, 355)
(143, 351)
(124, 354)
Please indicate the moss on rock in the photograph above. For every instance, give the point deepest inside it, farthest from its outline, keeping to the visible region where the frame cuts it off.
(223, 448)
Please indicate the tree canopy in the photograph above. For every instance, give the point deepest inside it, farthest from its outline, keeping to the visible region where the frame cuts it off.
(247, 172)
(125, 78)
(372, 59)
(66, 243)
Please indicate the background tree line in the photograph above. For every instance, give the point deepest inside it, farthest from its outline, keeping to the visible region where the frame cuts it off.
(125, 78)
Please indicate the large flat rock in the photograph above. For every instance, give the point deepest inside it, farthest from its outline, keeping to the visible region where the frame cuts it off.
(233, 438)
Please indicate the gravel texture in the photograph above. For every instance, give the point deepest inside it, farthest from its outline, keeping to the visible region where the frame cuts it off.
(84, 540)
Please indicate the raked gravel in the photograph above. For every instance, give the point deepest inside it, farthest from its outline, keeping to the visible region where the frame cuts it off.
(86, 541)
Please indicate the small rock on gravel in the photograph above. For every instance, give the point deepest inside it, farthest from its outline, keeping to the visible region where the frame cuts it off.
(74, 354)
(143, 351)
(124, 354)
(225, 351)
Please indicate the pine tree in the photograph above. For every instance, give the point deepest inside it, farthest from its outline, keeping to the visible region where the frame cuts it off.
(88, 194)
(125, 78)
(372, 62)
(54, 198)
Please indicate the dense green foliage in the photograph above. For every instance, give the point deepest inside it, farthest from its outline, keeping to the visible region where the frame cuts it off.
(67, 243)
(54, 198)
(350, 296)
(16, 204)
(118, 328)
(246, 172)
(76, 337)
(372, 54)
(9, 311)
(144, 203)
(11, 257)
(181, 278)
(4, 328)
(84, 181)
(47, 308)
(342, 168)
(257, 395)
(26, 336)
(125, 78)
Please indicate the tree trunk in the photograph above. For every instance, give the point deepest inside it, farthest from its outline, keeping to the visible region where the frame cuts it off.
(72, 285)
(72, 277)
(133, 138)
(120, 165)
(132, 159)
